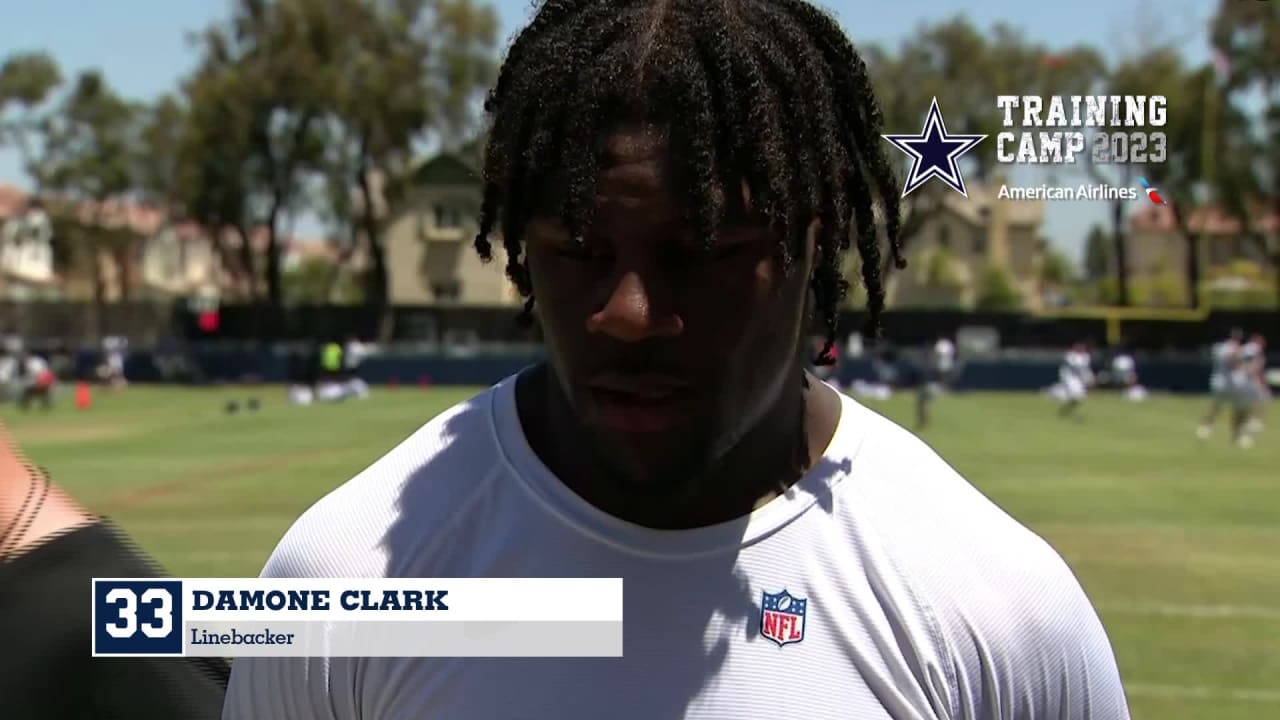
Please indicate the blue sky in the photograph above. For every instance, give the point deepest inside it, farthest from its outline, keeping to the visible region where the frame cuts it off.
(141, 46)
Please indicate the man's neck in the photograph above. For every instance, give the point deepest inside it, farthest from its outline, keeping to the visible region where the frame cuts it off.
(31, 510)
(763, 464)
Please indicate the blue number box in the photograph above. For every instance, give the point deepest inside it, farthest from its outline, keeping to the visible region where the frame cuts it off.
(139, 618)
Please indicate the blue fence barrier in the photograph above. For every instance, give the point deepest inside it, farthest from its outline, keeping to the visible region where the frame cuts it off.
(1178, 376)
(206, 365)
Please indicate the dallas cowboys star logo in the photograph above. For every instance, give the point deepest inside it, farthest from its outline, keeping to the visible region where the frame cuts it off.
(934, 153)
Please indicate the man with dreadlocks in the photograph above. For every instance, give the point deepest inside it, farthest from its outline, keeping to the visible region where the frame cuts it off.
(674, 183)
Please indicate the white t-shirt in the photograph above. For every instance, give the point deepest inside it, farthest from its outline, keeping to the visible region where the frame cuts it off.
(1223, 354)
(353, 354)
(1248, 364)
(944, 355)
(1076, 366)
(1122, 365)
(924, 600)
(36, 365)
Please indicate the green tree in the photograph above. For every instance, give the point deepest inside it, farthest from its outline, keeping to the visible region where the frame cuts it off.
(1056, 270)
(1207, 146)
(27, 82)
(308, 104)
(216, 182)
(941, 268)
(89, 147)
(1132, 76)
(263, 75)
(158, 169)
(1097, 255)
(1107, 293)
(1245, 299)
(1247, 37)
(1164, 288)
(309, 282)
(403, 73)
(997, 291)
(966, 68)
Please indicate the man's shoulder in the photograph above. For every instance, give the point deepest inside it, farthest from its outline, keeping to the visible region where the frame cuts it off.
(941, 531)
(1001, 601)
(398, 500)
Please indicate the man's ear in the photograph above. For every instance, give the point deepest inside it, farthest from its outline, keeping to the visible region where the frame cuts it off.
(812, 260)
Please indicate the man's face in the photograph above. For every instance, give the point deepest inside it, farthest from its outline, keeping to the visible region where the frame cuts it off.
(665, 354)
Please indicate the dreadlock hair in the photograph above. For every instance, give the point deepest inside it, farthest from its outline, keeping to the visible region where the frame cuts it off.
(770, 92)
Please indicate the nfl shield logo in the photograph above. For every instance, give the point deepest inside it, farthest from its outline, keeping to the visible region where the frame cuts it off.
(782, 617)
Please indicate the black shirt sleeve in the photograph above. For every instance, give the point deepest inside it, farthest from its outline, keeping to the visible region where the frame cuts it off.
(46, 666)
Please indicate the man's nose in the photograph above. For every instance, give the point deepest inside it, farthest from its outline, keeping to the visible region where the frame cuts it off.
(629, 313)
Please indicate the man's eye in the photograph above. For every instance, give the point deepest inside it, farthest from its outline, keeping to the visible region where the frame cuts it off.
(584, 253)
(716, 252)
(721, 252)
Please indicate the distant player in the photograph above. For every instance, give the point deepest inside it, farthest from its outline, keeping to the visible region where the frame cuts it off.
(112, 370)
(939, 367)
(38, 381)
(12, 367)
(1224, 357)
(331, 386)
(1249, 387)
(672, 186)
(303, 369)
(353, 354)
(1124, 375)
(884, 372)
(1075, 377)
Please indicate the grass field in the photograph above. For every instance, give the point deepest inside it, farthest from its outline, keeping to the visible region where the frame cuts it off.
(1176, 540)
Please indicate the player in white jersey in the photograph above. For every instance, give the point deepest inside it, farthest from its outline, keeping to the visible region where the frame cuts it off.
(354, 353)
(1075, 377)
(38, 382)
(1249, 390)
(1223, 358)
(938, 371)
(1124, 376)
(112, 370)
(673, 437)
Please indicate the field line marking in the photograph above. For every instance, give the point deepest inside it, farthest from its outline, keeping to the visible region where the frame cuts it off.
(1192, 611)
(1203, 693)
(140, 495)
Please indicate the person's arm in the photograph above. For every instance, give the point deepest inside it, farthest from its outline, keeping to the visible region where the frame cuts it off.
(157, 688)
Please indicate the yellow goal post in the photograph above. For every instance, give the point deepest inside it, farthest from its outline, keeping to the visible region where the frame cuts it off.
(1115, 316)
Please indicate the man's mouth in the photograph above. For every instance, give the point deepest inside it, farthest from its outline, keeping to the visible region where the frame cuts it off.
(644, 386)
(639, 403)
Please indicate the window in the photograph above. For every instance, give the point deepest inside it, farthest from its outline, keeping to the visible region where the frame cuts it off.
(446, 290)
(172, 264)
(448, 217)
(944, 237)
(979, 242)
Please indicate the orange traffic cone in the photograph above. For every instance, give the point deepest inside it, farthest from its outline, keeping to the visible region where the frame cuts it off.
(84, 396)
